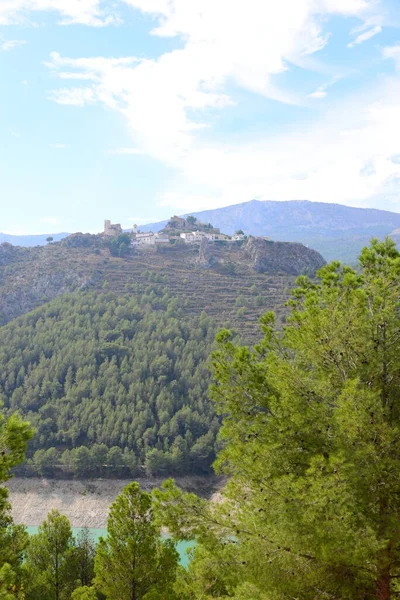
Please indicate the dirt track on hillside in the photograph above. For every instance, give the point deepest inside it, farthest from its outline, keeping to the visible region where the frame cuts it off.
(85, 503)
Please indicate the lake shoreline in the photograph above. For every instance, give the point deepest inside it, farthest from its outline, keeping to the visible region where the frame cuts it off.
(86, 502)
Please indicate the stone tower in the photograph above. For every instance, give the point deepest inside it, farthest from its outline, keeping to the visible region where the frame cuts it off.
(112, 229)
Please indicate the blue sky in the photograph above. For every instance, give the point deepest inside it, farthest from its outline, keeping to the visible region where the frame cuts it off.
(137, 109)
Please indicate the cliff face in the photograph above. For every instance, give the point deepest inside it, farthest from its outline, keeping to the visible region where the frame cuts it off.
(283, 257)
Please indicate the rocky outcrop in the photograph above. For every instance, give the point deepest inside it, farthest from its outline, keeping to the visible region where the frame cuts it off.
(282, 257)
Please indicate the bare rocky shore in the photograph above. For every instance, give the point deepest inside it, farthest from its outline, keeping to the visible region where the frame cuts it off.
(85, 503)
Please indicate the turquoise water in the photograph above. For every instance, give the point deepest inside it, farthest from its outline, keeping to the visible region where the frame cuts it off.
(182, 547)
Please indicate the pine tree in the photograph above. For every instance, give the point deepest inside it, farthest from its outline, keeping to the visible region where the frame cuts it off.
(312, 430)
(51, 566)
(14, 436)
(133, 562)
(83, 557)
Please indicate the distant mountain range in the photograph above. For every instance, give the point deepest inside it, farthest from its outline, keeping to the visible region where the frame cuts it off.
(31, 240)
(336, 231)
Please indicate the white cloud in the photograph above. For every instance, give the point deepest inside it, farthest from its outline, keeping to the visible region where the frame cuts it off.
(365, 35)
(319, 93)
(85, 12)
(329, 154)
(393, 52)
(170, 103)
(89, 64)
(167, 102)
(73, 97)
(11, 44)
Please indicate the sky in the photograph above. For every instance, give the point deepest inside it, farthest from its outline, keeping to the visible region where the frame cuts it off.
(134, 110)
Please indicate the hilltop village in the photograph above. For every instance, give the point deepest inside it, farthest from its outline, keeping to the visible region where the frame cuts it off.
(189, 231)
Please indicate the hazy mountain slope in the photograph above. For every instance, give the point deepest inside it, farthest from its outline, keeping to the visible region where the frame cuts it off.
(335, 230)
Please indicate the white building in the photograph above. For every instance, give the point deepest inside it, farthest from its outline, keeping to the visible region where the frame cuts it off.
(144, 239)
(189, 238)
(196, 236)
(205, 234)
(149, 239)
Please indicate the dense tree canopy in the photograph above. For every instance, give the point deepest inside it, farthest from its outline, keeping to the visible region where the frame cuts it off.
(111, 384)
(312, 433)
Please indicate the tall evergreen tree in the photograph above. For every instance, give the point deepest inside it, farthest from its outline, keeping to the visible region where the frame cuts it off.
(134, 562)
(51, 565)
(83, 557)
(14, 436)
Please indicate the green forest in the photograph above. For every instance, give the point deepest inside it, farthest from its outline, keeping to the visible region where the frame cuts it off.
(310, 440)
(112, 385)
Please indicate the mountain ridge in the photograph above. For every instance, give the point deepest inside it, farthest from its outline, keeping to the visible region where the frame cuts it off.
(31, 240)
(235, 208)
(335, 230)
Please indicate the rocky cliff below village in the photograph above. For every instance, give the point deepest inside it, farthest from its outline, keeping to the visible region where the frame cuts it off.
(282, 257)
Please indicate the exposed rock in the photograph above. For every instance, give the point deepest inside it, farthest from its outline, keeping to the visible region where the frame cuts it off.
(283, 257)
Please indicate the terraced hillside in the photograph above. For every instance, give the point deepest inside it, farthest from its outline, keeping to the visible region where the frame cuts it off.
(231, 300)
(233, 283)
